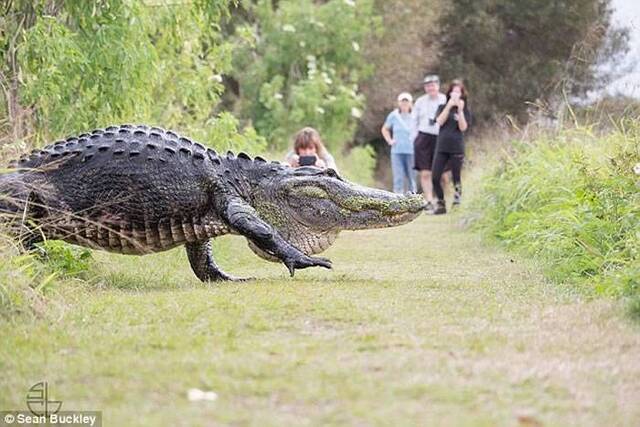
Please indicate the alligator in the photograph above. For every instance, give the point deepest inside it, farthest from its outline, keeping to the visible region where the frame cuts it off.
(136, 189)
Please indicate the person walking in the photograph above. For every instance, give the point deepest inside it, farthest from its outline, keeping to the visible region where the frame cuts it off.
(424, 117)
(454, 118)
(397, 131)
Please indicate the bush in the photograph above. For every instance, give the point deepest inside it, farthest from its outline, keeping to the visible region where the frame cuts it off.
(66, 260)
(299, 63)
(27, 279)
(358, 165)
(573, 201)
(85, 65)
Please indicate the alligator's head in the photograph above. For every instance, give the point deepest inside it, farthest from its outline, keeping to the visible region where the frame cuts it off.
(310, 206)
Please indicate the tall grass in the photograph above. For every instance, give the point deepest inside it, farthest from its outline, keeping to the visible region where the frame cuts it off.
(572, 200)
(27, 278)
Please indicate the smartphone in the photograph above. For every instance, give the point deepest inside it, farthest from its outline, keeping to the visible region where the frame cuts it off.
(455, 96)
(307, 160)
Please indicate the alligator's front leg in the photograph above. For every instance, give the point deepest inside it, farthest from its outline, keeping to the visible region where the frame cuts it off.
(245, 220)
(203, 265)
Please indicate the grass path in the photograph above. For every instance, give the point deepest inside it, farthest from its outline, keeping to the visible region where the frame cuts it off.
(419, 325)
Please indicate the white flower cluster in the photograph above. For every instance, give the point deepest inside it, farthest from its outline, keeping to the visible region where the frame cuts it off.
(312, 65)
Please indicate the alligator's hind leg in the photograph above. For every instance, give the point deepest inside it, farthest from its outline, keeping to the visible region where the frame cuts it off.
(203, 264)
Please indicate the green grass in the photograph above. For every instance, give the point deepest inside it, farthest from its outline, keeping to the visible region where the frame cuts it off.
(571, 200)
(418, 325)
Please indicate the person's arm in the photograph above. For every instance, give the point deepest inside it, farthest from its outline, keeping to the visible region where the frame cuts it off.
(387, 135)
(444, 114)
(462, 119)
(320, 163)
(292, 159)
(415, 117)
(329, 161)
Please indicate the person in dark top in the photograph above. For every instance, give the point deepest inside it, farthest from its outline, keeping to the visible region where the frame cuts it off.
(454, 119)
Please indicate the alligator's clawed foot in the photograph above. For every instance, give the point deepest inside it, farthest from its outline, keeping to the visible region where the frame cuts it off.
(306, 261)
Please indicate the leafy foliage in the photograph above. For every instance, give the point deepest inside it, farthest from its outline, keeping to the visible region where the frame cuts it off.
(300, 65)
(530, 51)
(90, 64)
(65, 260)
(572, 200)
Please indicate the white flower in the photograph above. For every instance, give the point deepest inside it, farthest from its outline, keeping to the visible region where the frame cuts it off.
(636, 168)
(355, 112)
(311, 58)
(351, 3)
(320, 110)
(278, 95)
(288, 28)
(195, 395)
(302, 43)
(356, 46)
(217, 78)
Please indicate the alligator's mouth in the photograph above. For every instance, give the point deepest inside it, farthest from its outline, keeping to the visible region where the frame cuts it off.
(392, 220)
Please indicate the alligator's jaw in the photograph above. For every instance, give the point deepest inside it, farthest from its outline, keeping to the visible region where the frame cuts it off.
(373, 208)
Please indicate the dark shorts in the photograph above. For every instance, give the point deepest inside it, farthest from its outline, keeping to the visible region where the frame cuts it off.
(424, 148)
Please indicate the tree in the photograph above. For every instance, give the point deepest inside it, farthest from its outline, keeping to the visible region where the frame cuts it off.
(515, 52)
(77, 65)
(300, 65)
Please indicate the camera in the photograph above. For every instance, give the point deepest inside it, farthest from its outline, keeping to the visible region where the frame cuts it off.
(307, 160)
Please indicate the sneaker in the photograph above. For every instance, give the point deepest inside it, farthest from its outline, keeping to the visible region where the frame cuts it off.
(441, 208)
(429, 207)
(457, 198)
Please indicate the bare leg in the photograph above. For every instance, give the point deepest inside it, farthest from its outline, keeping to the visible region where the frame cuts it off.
(446, 179)
(427, 185)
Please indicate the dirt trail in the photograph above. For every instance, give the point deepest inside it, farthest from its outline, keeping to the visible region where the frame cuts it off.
(418, 325)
